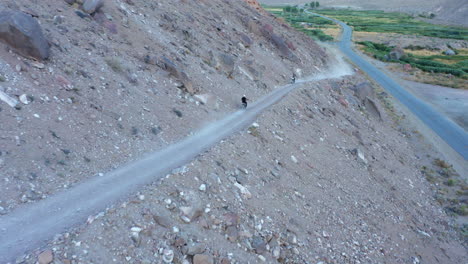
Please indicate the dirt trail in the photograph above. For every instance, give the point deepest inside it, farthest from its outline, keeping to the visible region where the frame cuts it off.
(39, 222)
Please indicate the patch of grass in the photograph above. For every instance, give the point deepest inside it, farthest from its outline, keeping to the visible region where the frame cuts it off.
(254, 131)
(114, 64)
(393, 22)
(441, 163)
(460, 209)
(451, 182)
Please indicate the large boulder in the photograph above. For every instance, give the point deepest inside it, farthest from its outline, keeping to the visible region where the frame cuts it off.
(91, 6)
(176, 72)
(450, 52)
(246, 40)
(282, 46)
(24, 34)
(363, 90)
(396, 53)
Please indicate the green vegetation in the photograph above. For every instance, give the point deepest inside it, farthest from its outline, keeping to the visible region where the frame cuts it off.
(392, 22)
(114, 64)
(311, 25)
(424, 63)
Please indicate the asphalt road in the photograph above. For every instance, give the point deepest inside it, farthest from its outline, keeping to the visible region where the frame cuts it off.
(455, 136)
(32, 225)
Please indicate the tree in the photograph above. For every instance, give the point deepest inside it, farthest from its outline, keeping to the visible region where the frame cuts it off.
(317, 4)
(312, 4)
(287, 9)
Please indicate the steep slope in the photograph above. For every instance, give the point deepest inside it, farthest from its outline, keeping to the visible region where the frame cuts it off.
(321, 177)
(109, 92)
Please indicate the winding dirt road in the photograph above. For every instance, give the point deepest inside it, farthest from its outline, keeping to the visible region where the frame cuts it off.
(31, 226)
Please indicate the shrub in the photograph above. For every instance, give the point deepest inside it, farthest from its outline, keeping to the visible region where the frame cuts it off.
(114, 64)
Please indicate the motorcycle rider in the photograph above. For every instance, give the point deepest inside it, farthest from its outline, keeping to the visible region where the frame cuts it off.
(244, 101)
(293, 79)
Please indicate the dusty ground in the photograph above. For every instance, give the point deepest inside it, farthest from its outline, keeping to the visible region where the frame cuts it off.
(328, 181)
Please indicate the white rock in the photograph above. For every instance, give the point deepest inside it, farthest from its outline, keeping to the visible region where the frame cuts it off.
(361, 156)
(141, 197)
(168, 256)
(244, 191)
(202, 187)
(7, 99)
(261, 258)
(185, 219)
(294, 159)
(136, 229)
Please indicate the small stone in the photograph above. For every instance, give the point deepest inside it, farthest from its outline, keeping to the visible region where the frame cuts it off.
(136, 229)
(360, 155)
(162, 221)
(325, 234)
(202, 259)
(45, 257)
(185, 219)
(141, 197)
(18, 68)
(168, 256)
(202, 187)
(295, 251)
(38, 65)
(294, 159)
(24, 99)
(231, 219)
(225, 261)
(276, 252)
(194, 249)
(232, 233)
(261, 258)
(258, 244)
(244, 191)
(136, 238)
(191, 213)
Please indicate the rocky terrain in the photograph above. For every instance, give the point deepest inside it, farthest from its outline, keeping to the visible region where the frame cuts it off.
(324, 176)
(446, 11)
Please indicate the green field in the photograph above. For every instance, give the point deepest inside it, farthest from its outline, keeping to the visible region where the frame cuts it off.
(392, 22)
(309, 24)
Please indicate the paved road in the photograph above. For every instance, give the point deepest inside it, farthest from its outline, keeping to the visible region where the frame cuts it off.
(449, 131)
(31, 226)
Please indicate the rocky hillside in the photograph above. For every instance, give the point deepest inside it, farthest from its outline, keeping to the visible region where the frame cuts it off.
(322, 177)
(130, 78)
